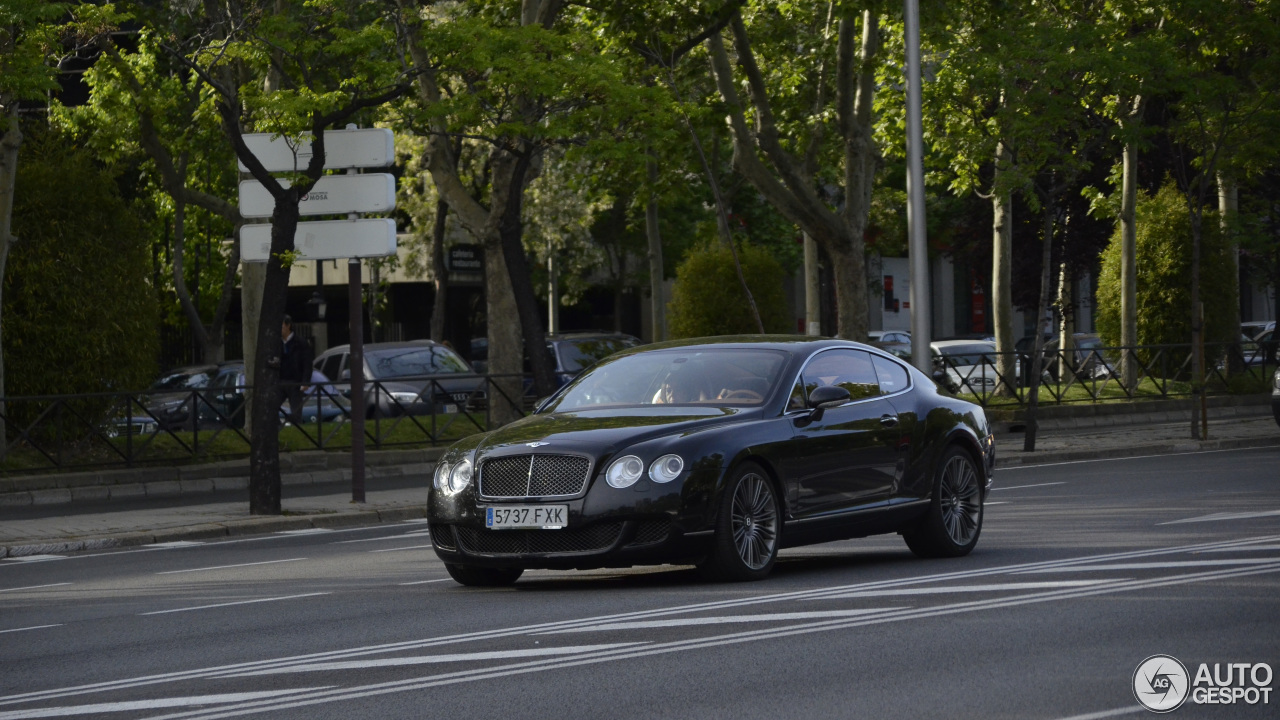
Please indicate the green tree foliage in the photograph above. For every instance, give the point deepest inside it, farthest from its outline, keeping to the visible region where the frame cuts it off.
(1164, 278)
(80, 315)
(707, 298)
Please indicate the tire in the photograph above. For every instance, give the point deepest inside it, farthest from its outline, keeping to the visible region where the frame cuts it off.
(953, 522)
(472, 576)
(747, 528)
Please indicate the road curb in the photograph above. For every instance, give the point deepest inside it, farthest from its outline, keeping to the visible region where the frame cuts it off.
(214, 531)
(1168, 448)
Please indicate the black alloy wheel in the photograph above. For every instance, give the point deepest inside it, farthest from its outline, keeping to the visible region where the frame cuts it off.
(953, 522)
(747, 528)
(473, 576)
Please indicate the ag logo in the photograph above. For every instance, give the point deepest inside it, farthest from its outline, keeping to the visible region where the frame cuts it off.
(1161, 683)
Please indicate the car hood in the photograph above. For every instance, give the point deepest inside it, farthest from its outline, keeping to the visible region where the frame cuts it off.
(602, 432)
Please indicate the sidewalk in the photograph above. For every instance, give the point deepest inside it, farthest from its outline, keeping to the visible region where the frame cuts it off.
(397, 498)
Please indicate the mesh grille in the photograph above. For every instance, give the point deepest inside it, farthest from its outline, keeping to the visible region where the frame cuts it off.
(650, 532)
(442, 536)
(533, 476)
(592, 538)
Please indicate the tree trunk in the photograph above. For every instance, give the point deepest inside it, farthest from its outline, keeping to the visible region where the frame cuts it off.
(812, 288)
(657, 275)
(1228, 211)
(1002, 278)
(1199, 423)
(510, 231)
(1066, 360)
(1037, 347)
(439, 272)
(264, 453)
(10, 143)
(1129, 267)
(253, 278)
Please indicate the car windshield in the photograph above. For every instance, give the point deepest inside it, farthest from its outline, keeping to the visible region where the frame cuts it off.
(712, 377)
(578, 354)
(408, 362)
(182, 380)
(967, 354)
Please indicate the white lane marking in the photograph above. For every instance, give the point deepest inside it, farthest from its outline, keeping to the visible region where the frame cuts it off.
(421, 683)
(1250, 547)
(34, 587)
(1021, 487)
(305, 531)
(416, 533)
(947, 590)
(1152, 565)
(33, 627)
(1224, 516)
(1134, 457)
(238, 602)
(224, 567)
(174, 544)
(416, 521)
(1101, 715)
(1002, 502)
(424, 582)
(433, 659)
(411, 547)
(722, 620)
(194, 700)
(500, 633)
(35, 558)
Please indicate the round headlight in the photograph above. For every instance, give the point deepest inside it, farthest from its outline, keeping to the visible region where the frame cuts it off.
(624, 471)
(442, 475)
(460, 477)
(666, 468)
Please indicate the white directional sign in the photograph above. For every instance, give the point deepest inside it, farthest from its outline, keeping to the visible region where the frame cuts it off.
(325, 240)
(358, 148)
(332, 195)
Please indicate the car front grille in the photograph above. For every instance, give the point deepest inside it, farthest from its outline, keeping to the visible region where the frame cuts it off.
(569, 541)
(530, 476)
(442, 536)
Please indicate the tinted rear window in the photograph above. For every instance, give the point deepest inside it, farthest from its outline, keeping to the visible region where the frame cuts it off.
(408, 362)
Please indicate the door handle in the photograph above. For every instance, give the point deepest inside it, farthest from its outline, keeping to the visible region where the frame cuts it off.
(888, 420)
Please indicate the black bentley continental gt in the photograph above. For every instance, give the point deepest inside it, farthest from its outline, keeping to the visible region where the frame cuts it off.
(716, 452)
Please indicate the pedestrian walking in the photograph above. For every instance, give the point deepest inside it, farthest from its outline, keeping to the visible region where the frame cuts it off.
(295, 369)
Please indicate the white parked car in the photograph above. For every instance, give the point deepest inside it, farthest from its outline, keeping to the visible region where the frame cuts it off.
(966, 365)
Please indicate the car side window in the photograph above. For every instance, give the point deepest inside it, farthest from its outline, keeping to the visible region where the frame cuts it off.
(332, 365)
(850, 369)
(892, 376)
(796, 402)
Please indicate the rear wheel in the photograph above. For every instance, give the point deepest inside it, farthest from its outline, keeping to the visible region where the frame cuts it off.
(746, 539)
(483, 577)
(951, 526)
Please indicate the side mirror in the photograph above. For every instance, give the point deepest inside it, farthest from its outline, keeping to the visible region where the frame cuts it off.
(827, 396)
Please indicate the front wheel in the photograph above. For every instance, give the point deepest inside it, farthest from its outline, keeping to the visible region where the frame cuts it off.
(746, 539)
(951, 526)
(483, 577)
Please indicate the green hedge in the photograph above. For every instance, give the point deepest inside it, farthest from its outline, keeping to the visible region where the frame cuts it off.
(708, 299)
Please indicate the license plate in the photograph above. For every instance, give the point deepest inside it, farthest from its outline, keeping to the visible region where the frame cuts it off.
(546, 517)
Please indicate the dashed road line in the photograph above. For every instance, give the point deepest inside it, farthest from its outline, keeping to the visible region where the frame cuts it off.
(33, 627)
(33, 587)
(227, 567)
(229, 604)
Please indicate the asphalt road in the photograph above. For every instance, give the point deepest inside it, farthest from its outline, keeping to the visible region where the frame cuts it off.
(1083, 571)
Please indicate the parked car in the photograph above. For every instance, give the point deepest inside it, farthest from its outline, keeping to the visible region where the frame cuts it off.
(1086, 358)
(1254, 328)
(224, 401)
(716, 452)
(167, 404)
(417, 377)
(965, 365)
(1264, 347)
(574, 352)
(897, 342)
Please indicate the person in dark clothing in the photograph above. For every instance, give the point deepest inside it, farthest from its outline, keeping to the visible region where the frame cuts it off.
(295, 370)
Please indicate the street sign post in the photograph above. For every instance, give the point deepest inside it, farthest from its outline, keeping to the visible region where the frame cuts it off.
(325, 239)
(332, 195)
(351, 148)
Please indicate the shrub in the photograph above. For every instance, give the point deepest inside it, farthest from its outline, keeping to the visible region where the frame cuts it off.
(708, 300)
(80, 313)
(1164, 279)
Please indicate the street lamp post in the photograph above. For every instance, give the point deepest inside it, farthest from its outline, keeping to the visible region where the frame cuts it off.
(921, 320)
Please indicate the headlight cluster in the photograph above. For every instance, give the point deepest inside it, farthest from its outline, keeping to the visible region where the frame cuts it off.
(451, 478)
(626, 470)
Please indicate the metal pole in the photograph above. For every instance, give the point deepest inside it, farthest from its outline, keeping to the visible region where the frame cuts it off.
(356, 365)
(921, 320)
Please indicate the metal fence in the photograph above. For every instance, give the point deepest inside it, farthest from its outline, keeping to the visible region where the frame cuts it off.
(148, 428)
(1096, 374)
